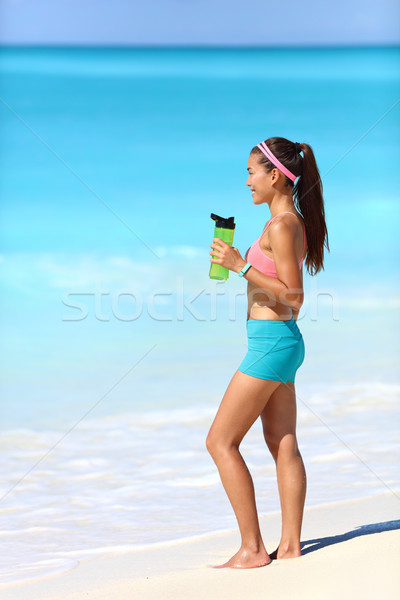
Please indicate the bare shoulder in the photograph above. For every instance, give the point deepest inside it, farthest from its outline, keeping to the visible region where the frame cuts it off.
(284, 225)
(286, 232)
(286, 220)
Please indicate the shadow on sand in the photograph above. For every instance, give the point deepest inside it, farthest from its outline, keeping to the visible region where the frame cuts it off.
(313, 545)
(319, 543)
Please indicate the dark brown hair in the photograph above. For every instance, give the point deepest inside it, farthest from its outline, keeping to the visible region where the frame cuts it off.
(307, 193)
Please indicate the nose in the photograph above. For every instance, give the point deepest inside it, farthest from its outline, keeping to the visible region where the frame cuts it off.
(247, 182)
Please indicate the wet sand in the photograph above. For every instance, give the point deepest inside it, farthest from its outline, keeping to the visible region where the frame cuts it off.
(350, 549)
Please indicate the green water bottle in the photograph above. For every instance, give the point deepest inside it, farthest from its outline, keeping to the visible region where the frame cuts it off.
(224, 229)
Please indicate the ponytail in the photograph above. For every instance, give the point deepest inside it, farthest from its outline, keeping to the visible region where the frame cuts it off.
(307, 194)
(308, 198)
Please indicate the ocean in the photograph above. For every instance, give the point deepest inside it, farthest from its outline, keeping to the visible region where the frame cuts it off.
(116, 347)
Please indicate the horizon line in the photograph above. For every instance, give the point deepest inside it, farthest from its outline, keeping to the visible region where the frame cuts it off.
(167, 46)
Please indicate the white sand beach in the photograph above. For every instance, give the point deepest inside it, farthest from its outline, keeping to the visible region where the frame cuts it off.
(350, 550)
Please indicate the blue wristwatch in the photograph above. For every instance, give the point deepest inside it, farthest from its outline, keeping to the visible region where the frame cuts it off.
(244, 270)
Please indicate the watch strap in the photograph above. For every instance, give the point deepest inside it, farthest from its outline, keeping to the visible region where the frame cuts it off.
(244, 270)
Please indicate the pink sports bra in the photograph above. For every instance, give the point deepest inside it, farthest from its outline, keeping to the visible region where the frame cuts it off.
(261, 261)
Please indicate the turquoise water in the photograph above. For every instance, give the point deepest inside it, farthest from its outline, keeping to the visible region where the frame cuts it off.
(112, 161)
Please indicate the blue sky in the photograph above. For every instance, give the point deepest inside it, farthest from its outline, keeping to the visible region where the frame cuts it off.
(200, 22)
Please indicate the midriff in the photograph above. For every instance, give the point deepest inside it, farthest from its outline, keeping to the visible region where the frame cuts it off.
(260, 305)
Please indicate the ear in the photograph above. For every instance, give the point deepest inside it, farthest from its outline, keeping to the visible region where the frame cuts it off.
(275, 175)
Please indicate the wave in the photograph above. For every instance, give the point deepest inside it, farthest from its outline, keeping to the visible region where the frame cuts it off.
(108, 483)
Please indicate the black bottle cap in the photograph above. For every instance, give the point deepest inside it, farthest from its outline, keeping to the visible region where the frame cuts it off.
(224, 223)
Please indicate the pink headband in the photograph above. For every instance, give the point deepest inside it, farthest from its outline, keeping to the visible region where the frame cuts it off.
(265, 150)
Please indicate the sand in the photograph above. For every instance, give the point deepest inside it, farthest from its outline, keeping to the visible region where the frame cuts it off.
(350, 550)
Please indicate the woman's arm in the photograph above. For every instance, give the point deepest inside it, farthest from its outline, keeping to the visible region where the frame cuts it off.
(288, 288)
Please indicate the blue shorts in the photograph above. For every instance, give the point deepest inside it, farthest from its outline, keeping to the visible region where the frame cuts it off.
(275, 350)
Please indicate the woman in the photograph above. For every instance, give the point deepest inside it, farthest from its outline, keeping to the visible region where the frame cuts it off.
(263, 385)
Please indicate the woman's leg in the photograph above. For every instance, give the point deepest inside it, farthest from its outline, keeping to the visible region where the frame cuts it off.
(243, 402)
(279, 425)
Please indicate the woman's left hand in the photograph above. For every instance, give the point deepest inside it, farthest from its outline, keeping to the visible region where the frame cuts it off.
(226, 256)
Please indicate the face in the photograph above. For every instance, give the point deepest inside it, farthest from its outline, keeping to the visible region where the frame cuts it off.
(259, 181)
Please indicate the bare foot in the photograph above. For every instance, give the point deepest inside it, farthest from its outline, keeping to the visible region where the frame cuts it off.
(279, 553)
(246, 559)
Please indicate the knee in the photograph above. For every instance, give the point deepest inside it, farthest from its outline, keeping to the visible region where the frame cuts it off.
(273, 446)
(282, 448)
(272, 442)
(210, 443)
(216, 447)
